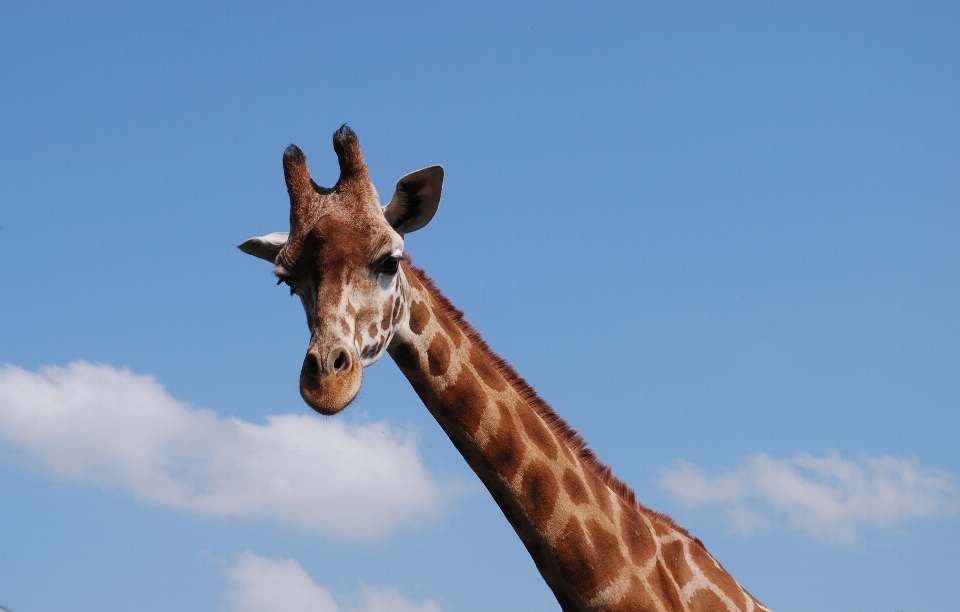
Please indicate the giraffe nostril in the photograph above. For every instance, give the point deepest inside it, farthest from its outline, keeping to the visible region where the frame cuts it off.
(339, 360)
(311, 365)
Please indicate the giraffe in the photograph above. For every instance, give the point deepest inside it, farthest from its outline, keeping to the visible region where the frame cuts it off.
(594, 544)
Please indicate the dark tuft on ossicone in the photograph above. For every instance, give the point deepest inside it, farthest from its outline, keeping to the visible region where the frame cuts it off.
(342, 136)
(293, 154)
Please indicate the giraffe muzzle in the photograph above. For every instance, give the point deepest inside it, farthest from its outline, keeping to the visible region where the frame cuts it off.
(329, 383)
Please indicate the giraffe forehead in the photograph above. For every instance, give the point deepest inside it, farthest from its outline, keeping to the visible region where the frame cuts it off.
(344, 223)
(339, 247)
(354, 235)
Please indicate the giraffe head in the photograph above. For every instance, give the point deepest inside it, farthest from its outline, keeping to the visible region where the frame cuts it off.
(342, 258)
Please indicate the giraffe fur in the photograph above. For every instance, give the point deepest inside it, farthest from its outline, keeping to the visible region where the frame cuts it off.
(595, 545)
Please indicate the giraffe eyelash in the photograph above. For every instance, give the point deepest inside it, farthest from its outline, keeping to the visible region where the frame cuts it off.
(389, 265)
(293, 288)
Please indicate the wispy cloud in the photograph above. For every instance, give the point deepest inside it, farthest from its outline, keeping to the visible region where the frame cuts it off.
(827, 497)
(259, 584)
(98, 425)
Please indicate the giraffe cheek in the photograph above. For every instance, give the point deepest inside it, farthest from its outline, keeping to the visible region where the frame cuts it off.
(397, 303)
(387, 318)
(373, 350)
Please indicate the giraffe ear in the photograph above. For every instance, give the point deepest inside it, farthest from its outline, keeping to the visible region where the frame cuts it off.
(265, 247)
(416, 200)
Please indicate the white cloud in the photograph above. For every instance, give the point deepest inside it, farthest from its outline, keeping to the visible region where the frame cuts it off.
(828, 497)
(259, 584)
(98, 425)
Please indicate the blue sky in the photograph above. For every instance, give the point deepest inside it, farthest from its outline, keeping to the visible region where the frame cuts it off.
(721, 239)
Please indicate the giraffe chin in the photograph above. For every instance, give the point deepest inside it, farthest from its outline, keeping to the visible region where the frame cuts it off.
(330, 394)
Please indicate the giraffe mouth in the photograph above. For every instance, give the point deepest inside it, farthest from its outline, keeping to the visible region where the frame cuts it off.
(329, 385)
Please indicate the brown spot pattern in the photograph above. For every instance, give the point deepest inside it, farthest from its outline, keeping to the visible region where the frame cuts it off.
(601, 494)
(706, 600)
(396, 308)
(660, 529)
(637, 538)
(345, 327)
(374, 330)
(577, 559)
(504, 449)
(669, 588)
(407, 357)
(633, 600)
(387, 311)
(419, 317)
(672, 553)
(540, 492)
(719, 577)
(464, 401)
(588, 554)
(610, 561)
(537, 431)
(450, 326)
(574, 488)
(438, 356)
(486, 370)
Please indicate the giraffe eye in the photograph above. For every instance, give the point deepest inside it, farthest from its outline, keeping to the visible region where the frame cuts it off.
(390, 265)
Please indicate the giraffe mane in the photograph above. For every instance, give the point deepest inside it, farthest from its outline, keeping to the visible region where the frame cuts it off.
(557, 424)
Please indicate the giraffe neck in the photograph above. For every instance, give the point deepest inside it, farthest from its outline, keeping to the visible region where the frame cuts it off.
(595, 546)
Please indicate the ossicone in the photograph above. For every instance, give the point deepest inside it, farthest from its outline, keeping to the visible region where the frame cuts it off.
(299, 184)
(347, 147)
